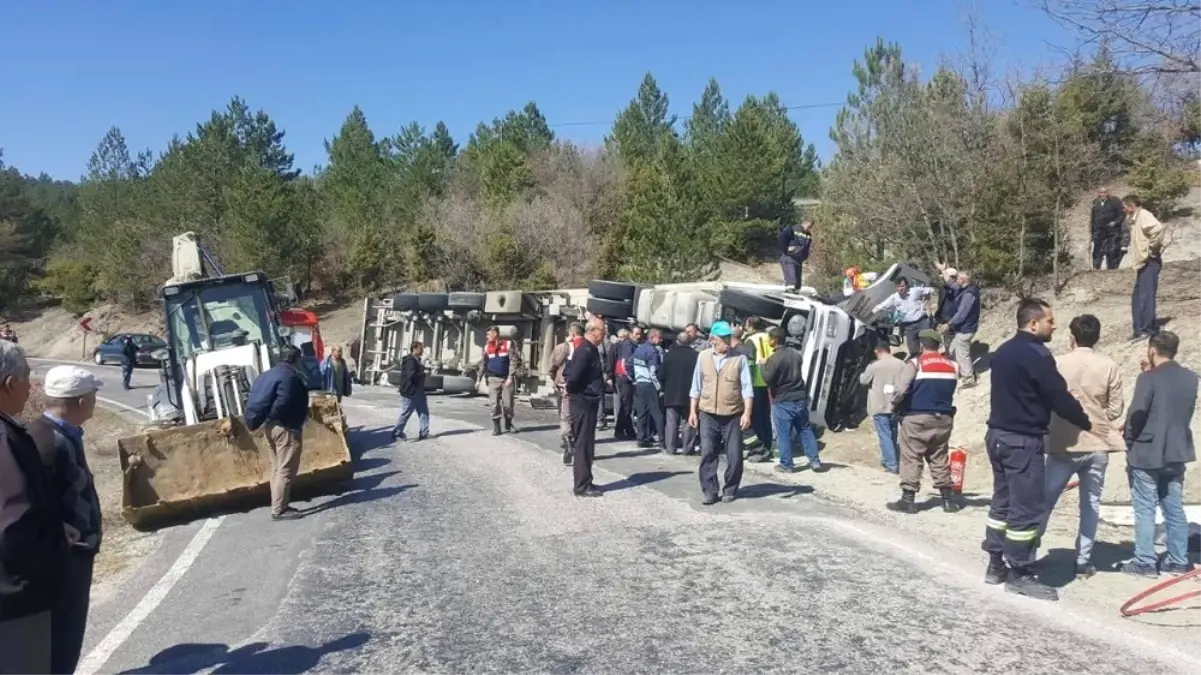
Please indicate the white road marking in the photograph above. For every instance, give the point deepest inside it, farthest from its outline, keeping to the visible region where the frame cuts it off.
(123, 406)
(121, 632)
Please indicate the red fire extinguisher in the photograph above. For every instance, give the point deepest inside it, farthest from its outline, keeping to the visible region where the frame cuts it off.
(958, 467)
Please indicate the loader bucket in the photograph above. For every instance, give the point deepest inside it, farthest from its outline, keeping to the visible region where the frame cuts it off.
(180, 474)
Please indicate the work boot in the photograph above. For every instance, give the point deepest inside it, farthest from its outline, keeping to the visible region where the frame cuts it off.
(997, 572)
(905, 504)
(495, 427)
(1024, 582)
(950, 503)
(567, 452)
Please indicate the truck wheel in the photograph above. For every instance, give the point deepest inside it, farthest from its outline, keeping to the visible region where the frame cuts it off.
(394, 378)
(431, 302)
(465, 302)
(611, 309)
(404, 301)
(612, 290)
(433, 382)
(751, 305)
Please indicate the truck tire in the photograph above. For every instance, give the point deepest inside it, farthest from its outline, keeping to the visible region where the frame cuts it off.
(404, 301)
(433, 382)
(394, 378)
(465, 302)
(612, 290)
(751, 305)
(458, 384)
(611, 309)
(431, 302)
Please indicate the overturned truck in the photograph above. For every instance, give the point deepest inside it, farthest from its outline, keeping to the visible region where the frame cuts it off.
(837, 339)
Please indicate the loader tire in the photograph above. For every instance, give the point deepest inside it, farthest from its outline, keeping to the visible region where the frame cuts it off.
(612, 290)
(432, 302)
(611, 309)
(745, 303)
(402, 302)
(465, 302)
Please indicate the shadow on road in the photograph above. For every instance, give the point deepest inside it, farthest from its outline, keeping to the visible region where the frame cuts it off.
(252, 658)
(1058, 567)
(644, 478)
(773, 490)
(362, 440)
(369, 463)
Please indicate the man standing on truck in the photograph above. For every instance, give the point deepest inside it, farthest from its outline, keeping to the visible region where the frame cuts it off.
(279, 403)
(584, 382)
(794, 251)
(500, 363)
(908, 307)
(1026, 389)
(559, 357)
(58, 433)
(758, 350)
(645, 363)
(129, 359)
(623, 385)
(412, 395)
(925, 401)
(721, 398)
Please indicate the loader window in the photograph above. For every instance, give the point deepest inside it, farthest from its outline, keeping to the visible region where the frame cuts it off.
(218, 316)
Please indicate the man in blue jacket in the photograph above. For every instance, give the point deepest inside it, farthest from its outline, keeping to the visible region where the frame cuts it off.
(961, 326)
(644, 364)
(279, 403)
(794, 251)
(129, 359)
(1026, 389)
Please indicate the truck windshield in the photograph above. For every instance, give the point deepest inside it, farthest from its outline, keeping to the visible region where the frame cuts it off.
(214, 317)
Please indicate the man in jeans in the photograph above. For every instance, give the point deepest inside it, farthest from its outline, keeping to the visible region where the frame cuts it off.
(1094, 380)
(721, 402)
(783, 374)
(412, 394)
(880, 377)
(1159, 444)
(279, 402)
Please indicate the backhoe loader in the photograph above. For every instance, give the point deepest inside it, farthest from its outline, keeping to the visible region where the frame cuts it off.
(223, 331)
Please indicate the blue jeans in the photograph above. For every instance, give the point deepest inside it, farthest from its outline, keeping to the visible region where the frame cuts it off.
(126, 373)
(886, 431)
(792, 417)
(1090, 469)
(1163, 488)
(409, 405)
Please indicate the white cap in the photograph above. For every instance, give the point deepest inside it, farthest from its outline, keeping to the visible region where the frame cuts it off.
(70, 382)
(949, 272)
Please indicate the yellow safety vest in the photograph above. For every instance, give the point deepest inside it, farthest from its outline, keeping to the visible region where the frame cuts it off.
(763, 350)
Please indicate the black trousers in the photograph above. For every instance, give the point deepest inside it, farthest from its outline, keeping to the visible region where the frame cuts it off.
(720, 434)
(911, 330)
(623, 423)
(69, 616)
(583, 440)
(650, 413)
(1108, 252)
(1142, 299)
(1019, 496)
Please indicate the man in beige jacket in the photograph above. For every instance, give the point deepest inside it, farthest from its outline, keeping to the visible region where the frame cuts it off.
(1148, 239)
(1094, 380)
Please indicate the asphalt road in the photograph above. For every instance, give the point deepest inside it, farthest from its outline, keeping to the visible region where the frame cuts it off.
(467, 553)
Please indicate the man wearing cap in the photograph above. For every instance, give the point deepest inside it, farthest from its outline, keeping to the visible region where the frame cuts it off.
(721, 400)
(925, 402)
(58, 433)
(279, 403)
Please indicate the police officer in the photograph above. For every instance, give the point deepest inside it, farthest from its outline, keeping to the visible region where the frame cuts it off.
(925, 401)
(500, 363)
(1026, 389)
(129, 359)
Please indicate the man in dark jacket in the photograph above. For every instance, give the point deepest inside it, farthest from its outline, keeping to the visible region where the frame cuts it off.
(335, 374)
(58, 433)
(962, 326)
(1107, 218)
(33, 546)
(1159, 444)
(644, 370)
(129, 359)
(623, 385)
(794, 251)
(1026, 389)
(279, 402)
(412, 394)
(676, 377)
(584, 380)
(784, 375)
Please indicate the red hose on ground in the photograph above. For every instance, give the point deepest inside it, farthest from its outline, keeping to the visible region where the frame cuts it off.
(1127, 610)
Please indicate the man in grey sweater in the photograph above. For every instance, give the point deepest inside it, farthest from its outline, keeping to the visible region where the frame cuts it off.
(1159, 444)
(880, 377)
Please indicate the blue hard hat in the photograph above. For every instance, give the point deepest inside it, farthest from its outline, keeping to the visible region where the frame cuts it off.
(721, 329)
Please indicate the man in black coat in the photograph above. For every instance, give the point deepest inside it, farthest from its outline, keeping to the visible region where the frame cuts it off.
(676, 377)
(584, 380)
(279, 403)
(412, 394)
(129, 359)
(1107, 219)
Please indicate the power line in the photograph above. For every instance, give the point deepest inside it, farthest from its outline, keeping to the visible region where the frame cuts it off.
(594, 123)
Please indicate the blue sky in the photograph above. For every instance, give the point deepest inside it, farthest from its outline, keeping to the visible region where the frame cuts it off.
(155, 68)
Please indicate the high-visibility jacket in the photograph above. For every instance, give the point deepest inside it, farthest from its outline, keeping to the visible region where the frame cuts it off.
(760, 346)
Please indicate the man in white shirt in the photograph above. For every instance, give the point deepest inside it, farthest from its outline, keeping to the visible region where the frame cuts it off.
(908, 307)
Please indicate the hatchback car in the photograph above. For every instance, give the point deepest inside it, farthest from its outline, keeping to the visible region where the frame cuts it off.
(110, 350)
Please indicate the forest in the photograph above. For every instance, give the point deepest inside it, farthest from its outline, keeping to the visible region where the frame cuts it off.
(960, 164)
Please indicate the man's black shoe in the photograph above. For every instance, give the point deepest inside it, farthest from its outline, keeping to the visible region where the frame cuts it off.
(568, 454)
(727, 498)
(288, 514)
(1085, 570)
(905, 504)
(495, 427)
(1026, 584)
(950, 502)
(590, 491)
(1174, 569)
(645, 444)
(763, 457)
(509, 425)
(423, 437)
(709, 500)
(997, 572)
(780, 468)
(1139, 570)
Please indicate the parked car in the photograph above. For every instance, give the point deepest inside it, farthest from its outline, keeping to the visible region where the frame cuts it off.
(109, 351)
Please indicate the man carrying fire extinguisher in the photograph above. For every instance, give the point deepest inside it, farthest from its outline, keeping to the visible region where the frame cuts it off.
(925, 402)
